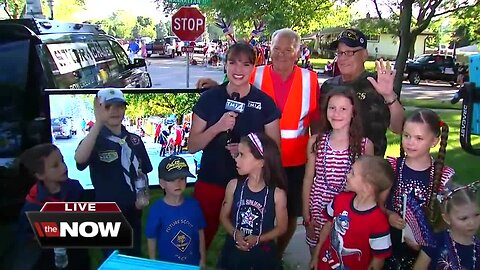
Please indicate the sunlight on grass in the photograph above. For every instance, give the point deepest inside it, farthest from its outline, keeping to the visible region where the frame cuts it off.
(431, 104)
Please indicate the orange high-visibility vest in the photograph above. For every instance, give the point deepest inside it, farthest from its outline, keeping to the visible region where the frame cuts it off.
(295, 121)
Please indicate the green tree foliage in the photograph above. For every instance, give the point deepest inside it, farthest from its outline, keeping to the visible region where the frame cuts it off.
(301, 16)
(375, 26)
(63, 10)
(13, 8)
(414, 17)
(160, 30)
(336, 16)
(144, 27)
(468, 23)
(122, 24)
(141, 105)
(442, 34)
(214, 32)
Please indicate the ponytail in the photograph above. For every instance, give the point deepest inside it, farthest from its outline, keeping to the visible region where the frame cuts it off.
(402, 151)
(437, 174)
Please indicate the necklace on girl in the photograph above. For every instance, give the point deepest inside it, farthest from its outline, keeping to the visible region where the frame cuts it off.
(452, 250)
(237, 225)
(347, 168)
(399, 192)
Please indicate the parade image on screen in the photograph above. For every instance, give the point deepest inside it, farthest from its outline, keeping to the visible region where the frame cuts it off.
(161, 120)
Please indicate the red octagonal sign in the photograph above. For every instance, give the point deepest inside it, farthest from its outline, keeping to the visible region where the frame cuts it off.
(188, 23)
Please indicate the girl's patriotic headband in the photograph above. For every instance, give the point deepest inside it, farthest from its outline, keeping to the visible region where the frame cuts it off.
(256, 141)
(448, 194)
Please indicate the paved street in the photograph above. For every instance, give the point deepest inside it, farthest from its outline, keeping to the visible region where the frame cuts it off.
(171, 73)
(430, 90)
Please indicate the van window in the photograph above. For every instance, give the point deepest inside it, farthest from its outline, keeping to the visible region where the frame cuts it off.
(82, 64)
(122, 57)
(13, 80)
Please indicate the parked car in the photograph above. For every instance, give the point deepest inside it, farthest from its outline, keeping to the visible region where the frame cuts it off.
(63, 127)
(164, 46)
(199, 46)
(431, 67)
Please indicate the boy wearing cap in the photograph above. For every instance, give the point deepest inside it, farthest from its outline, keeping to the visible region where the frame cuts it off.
(175, 223)
(115, 157)
(380, 108)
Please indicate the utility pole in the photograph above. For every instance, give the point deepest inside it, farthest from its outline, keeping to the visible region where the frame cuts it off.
(50, 6)
(33, 9)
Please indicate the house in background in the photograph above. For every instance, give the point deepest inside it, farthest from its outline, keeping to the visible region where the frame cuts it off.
(381, 45)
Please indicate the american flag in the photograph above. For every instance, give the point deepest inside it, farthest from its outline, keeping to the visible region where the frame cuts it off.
(417, 220)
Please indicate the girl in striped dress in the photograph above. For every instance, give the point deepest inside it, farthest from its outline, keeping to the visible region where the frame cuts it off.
(331, 154)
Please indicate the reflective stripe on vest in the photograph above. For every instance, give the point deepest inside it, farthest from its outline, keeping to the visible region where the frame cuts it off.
(294, 132)
(259, 77)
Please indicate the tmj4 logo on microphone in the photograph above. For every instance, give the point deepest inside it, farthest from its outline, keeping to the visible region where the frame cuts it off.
(81, 225)
(234, 106)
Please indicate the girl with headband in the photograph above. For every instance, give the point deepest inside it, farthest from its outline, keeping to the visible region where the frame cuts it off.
(458, 247)
(216, 130)
(254, 211)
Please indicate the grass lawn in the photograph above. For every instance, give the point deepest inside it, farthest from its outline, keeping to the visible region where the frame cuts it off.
(464, 164)
(431, 104)
(320, 63)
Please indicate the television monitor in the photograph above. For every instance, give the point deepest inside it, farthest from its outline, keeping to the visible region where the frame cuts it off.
(71, 115)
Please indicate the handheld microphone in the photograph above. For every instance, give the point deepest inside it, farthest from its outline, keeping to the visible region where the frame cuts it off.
(233, 105)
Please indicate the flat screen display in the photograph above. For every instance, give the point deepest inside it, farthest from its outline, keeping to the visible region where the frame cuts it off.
(72, 116)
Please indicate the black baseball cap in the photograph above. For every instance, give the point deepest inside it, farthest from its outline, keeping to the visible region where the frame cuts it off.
(350, 37)
(172, 168)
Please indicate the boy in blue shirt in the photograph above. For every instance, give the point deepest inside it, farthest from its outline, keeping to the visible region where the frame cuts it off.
(45, 163)
(175, 224)
(116, 157)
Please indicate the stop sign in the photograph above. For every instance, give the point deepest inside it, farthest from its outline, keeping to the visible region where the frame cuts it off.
(188, 23)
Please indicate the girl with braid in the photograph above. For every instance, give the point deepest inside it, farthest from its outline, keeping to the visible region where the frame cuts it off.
(411, 206)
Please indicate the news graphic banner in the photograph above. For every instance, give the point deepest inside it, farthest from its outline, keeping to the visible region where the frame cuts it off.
(81, 225)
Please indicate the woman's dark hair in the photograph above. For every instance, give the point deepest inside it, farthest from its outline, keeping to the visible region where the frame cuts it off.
(440, 129)
(33, 159)
(272, 172)
(241, 49)
(356, 127)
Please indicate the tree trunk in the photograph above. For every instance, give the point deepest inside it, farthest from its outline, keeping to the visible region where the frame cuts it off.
(411, 53)
(405, 44)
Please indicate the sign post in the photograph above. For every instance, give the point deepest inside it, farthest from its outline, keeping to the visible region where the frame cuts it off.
(188, 23)
(188, 70)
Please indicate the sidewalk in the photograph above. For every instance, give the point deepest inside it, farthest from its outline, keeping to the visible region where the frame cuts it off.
(297, 254)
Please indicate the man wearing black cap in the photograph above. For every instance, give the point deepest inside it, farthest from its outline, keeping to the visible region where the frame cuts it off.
(175, 223)
(380, 107)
